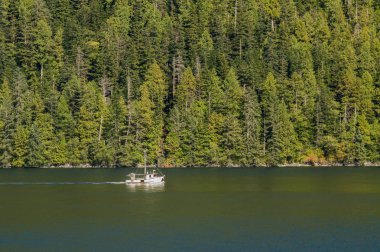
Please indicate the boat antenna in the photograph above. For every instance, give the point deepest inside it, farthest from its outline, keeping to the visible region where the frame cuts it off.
(145, 161)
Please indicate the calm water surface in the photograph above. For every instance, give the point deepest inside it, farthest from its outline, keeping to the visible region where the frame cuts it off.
(282, 209)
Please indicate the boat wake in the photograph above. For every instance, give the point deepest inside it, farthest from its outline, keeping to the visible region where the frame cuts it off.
(61, 183)
(131, 187)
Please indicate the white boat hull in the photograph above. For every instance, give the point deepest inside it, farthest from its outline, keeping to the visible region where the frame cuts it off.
(147, 180)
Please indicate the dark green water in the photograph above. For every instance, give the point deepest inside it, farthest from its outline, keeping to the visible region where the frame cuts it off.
(284, 209)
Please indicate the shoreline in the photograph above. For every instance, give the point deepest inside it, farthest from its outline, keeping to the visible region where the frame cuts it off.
(294, 165)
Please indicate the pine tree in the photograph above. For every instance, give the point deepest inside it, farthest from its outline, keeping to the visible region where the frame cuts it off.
(252, 128)
(6, 123)
(117, 129)
(155, 82)
(116, 37)
(42, 143)
(174, 139)
(232, 141)
(64, 122)
(186, 140)
(365, 95)
(285, 147)
(148, 120)
(186, 90)
(272, 9)
(145, 135)
(233, 94)
(19, 150)
(232, 132)
(196, 139)
(89, 121)
(269, 101)
(363, 142)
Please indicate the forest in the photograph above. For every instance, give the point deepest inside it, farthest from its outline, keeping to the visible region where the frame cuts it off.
(193, 82)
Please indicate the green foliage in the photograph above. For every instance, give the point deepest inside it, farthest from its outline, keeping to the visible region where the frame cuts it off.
(147, 119)
(42, 145)
(19, 144)
(252, 129)
(194, 83)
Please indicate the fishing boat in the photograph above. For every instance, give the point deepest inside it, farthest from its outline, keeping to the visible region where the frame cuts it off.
(149, 176)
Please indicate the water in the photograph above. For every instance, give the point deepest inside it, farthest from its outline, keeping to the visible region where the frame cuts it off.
(281, 209)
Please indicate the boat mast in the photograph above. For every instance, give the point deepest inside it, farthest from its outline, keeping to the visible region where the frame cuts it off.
(144, 161)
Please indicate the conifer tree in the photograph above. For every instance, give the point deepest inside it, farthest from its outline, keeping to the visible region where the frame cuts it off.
(269, 101)
(272, 9)
(19, 144)
(148, 117)
(118, 129)
(252, 128)
(6, 123)
(145, 132)
(42, 143)
(174, 139)
(89, 120)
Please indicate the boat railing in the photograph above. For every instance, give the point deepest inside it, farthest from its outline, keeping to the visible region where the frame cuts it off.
(138, 176)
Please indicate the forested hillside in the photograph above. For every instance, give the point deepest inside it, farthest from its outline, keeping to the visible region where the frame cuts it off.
(195, 82)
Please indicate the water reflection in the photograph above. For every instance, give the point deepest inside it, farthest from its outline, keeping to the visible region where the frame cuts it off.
(150, 188)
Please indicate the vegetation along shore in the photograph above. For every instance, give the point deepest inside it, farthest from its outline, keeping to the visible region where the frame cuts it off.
(195, 83)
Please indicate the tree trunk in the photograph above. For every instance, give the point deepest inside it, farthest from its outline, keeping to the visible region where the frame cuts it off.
(42, 72)
(129, 84)
(174, 76)
(100, 128)
(264, 137)
(356, 11)
(240, 50)
(236, 13)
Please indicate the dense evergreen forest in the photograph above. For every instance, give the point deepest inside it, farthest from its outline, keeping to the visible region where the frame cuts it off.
(195, 82)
